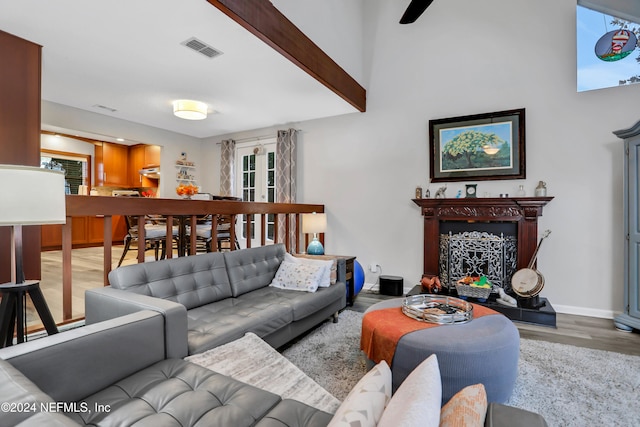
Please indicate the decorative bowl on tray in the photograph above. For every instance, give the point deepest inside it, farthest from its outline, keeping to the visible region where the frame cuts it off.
(443, 310)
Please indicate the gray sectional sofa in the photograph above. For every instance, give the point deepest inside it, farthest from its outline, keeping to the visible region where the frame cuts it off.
(116, 373)
(127, 367)
(211, 299)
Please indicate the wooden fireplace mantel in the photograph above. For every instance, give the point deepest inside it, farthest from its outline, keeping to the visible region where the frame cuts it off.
(522, 210)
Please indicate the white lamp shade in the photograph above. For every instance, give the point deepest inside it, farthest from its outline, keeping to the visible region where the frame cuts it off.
(190, 110)
(31, 196)
(314, 223)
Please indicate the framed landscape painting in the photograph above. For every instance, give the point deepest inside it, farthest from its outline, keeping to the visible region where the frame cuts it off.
(479, 147)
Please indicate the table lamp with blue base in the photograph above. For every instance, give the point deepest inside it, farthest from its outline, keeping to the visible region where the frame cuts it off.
(314, 223)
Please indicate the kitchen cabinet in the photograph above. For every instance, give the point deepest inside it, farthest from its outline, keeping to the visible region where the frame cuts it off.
(151, 155)
(85, 231)
(142, 156)
(112, 165)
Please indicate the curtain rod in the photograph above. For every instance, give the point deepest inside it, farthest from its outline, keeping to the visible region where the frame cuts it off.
(257, 138)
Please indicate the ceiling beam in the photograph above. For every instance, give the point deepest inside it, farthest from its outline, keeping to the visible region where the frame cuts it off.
(267, 23)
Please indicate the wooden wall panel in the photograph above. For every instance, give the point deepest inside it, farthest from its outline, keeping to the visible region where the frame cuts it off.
(20, 134)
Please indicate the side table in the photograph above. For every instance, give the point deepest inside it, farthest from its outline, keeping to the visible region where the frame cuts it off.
(349, 277)
(349, 273)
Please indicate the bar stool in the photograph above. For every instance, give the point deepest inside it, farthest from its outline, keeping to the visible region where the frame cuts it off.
(13, 307)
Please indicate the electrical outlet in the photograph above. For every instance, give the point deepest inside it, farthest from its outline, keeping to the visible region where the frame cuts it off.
(373, 267)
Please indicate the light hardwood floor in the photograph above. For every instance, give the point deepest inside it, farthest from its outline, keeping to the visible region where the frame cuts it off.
(580, 331)
(87, 273)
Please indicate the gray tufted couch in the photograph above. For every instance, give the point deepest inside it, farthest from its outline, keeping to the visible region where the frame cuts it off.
(115, 373)
(211, 299)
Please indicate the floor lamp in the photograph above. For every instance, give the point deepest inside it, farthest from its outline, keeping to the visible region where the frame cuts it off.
(28, 196)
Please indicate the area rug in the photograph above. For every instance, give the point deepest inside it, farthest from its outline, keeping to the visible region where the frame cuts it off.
(253, 361)
(567, 385)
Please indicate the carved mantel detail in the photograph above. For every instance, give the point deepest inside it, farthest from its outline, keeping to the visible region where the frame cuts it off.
(522, 210)
(479, 211)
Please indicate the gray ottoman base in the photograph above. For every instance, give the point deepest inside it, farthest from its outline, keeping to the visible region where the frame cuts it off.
(485, 350)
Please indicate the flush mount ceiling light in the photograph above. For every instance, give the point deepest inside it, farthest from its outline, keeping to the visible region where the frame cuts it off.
(190, 110)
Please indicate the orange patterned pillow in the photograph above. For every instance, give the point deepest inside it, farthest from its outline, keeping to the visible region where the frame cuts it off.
(467, 408)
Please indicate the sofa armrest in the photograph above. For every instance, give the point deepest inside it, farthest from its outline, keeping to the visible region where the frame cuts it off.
(71, 365)
(499, 415)
(108, 303)
(341, 264)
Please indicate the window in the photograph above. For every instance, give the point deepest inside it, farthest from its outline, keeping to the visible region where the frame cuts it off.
(606, 48)
(256, 182)
(75, 166)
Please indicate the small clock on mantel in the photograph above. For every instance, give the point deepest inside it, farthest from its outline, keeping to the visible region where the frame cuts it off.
(470, 190)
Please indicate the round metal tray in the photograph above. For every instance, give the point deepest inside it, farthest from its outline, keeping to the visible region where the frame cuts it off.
(443, 310)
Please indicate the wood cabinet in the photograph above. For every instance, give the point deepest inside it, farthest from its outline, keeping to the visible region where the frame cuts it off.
(115, 157)
(112, 164)
(151, 155)
(85, 231)
(630, 318)
(20, 136)
(142, 156)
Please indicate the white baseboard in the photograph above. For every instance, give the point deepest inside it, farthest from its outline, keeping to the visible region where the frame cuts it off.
(583, 311)
(371, 287)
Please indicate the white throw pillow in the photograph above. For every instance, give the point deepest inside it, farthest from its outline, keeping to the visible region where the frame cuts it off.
(366, 401)
(297, 277)
(329, 265)
(417, 400)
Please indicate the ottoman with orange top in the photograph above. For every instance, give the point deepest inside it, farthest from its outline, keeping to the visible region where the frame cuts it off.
(484, 350)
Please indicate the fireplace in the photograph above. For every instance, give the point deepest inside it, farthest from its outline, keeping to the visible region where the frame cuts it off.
(478, 249)
(466, 235)
(522, 211)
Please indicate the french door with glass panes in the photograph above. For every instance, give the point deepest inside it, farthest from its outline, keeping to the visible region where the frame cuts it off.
(256, 182)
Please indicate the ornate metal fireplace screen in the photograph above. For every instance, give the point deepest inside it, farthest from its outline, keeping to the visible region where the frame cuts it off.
(478, 253)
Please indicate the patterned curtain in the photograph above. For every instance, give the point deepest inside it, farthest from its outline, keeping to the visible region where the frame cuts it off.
(286, 160)
(227, 167)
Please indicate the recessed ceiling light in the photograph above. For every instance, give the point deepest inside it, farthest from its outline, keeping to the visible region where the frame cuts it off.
(120, 139)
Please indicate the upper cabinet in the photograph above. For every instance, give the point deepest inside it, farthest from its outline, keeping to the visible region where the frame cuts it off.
(143, 156)
(112, 165)
(151, 155)
(119, 165)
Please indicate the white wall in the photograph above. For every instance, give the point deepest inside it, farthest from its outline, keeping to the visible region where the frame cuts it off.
(335, 26)
(465, 58)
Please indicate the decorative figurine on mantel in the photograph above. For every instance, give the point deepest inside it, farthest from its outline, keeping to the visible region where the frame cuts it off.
(431, 283)
(541, 189)
(440, 193)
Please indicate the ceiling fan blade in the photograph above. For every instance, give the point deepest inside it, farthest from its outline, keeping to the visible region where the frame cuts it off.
(415, 9)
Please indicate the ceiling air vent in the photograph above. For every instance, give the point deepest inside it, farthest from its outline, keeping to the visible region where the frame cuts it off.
(104, 107)
(201, 47)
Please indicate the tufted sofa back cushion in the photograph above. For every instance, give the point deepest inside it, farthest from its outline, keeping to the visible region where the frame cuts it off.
(254, 268)
(191, 281)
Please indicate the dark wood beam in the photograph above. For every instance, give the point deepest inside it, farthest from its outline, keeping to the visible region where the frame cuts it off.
(266, 22)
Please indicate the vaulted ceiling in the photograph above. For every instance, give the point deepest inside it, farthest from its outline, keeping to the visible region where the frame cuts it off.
(127, 59)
